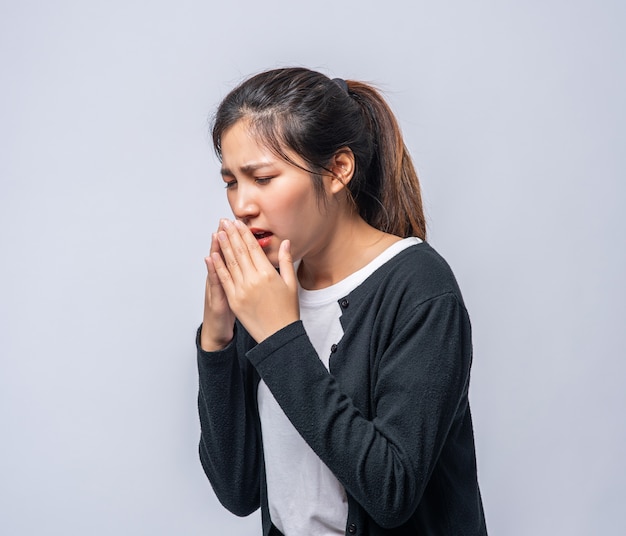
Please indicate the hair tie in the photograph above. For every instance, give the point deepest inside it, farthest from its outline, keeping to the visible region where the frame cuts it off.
(342, 84)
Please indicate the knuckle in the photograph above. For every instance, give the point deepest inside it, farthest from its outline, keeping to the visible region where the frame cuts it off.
(224, 274)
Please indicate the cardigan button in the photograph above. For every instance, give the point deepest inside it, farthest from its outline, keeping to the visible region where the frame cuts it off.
(352, 528)
(344, 302)
(333, 348)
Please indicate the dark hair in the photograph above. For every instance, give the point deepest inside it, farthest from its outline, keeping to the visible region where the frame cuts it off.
(308, 113)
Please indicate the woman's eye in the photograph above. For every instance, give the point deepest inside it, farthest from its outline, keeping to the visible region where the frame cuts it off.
(263, 180)
(230, 184)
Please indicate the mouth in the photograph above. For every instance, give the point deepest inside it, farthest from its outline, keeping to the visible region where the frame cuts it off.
(263, 237)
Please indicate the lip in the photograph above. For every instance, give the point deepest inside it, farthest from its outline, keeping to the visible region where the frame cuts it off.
(262, 236)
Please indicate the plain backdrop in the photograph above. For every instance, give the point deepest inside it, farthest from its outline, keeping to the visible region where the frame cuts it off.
(516, 118)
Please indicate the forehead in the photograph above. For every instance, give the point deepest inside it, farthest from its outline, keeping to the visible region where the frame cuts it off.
(242, 146)
(240, 142)
(241, 133)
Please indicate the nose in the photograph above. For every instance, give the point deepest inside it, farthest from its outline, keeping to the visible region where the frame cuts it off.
(243, 202)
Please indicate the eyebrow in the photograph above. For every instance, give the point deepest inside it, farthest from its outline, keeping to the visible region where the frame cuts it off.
(247, 169)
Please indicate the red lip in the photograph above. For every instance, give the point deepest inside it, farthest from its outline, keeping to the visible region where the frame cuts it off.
(263, 237)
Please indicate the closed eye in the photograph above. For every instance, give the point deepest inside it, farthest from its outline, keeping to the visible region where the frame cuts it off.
(230, 184)
(263, 180)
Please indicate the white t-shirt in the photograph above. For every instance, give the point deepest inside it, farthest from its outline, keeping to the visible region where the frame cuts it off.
(304, 497)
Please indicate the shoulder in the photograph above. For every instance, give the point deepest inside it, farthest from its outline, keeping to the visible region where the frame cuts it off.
(422, 259)
(415, 275)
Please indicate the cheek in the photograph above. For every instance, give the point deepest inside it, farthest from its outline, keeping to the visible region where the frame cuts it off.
(291, 208)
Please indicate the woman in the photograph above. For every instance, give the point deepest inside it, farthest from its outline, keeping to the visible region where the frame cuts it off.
(333, 389)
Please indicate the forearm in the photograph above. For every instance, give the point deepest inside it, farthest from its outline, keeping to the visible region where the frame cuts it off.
(383, 460)
(229, 444)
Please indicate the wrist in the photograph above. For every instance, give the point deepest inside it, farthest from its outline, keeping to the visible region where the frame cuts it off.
(210, 343)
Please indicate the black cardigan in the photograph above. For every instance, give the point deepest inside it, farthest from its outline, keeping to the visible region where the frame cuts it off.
(391, 420)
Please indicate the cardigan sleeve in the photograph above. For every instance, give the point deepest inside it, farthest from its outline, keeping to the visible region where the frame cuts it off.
(383, 462)
(230, 449)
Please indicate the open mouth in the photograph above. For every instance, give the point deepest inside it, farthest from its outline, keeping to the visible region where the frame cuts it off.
(263, 237)
(261, 234)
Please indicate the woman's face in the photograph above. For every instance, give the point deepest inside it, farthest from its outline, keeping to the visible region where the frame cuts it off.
(275, 199)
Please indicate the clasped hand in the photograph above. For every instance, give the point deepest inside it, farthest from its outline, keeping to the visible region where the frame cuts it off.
(242, 282)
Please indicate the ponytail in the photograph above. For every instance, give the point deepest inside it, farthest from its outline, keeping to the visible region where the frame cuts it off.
(398, 209)
(308, 113)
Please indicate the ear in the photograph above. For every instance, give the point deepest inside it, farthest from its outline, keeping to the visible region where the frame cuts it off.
(342, 168)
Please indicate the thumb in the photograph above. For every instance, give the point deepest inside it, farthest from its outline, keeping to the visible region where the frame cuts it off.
(285, 265)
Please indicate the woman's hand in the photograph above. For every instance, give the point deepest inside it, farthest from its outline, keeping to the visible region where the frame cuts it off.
(263, 300)
(219, 320)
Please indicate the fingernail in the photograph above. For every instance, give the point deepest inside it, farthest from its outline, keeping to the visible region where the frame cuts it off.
(225, 224)
(221, 236)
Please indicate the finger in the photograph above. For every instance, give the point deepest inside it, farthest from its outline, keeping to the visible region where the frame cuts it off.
(214, 281)
(212, 278)
(238, 247)
(285, 265)
(215, 247)
(256, 253)
(215, 293)
(223, 274)
(230, 260)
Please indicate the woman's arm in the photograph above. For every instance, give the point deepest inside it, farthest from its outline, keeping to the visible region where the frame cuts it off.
(384, 463)
(230, 444)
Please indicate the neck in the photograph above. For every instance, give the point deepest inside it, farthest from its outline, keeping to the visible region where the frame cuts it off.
(351, 244)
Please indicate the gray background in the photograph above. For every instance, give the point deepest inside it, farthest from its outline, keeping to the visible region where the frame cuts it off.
(515, 116)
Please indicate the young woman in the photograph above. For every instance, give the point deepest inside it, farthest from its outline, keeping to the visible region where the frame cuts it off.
(335, 351)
